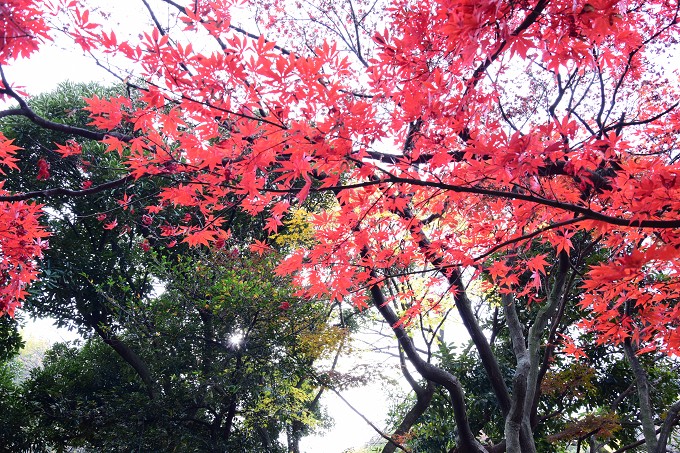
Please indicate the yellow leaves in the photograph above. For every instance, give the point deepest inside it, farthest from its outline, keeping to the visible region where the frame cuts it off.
(321, 341)
(287, 398)
(298, 230)
(425, 295)
(487, 291)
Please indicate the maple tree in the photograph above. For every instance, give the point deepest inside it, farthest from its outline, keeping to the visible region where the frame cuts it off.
(505, 139)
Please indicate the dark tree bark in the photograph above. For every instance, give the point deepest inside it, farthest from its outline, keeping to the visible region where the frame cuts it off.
(130, 356)
(423, 399)
(466, 438)
(643, 388)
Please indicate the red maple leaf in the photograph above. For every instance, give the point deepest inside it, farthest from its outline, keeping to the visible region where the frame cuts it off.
(43, 170)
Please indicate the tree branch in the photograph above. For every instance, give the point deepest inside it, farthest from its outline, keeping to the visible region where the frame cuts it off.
(569, 207)
(26, 111)
(375, 428)
(430, 372)
(60, 191)
(667, 427)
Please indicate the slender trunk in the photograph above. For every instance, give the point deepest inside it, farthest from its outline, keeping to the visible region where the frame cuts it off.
(234, 378)
(130, 356)
(646, 411)
(264, 437)
(525, 442)
(216, 432)
(295, 428)
(516, 419)
(464, 307)
(550, 349)
(534, 341)
(482, 345)
(423, 399)
(229, 419)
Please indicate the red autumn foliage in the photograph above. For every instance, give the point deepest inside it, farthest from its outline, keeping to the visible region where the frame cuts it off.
(529, 146)
(21, 243)
(43, 170)
(453, 136)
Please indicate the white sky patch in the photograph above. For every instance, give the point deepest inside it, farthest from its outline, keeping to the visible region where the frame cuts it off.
(46, 329)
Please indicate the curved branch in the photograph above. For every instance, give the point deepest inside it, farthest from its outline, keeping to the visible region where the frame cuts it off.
(667, 427)
(430, 372)
(423, 398)
(372, 425)
(129, 355)
(466, 313)
(621, 124)
(569, 207)
(26, 111)
(60, 191)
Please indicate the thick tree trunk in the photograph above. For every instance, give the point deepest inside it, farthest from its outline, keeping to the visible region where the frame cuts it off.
(466, 438)
(646, 410)
(294, 433)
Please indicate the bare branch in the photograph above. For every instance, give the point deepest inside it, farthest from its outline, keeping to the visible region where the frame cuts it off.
(369, 423)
